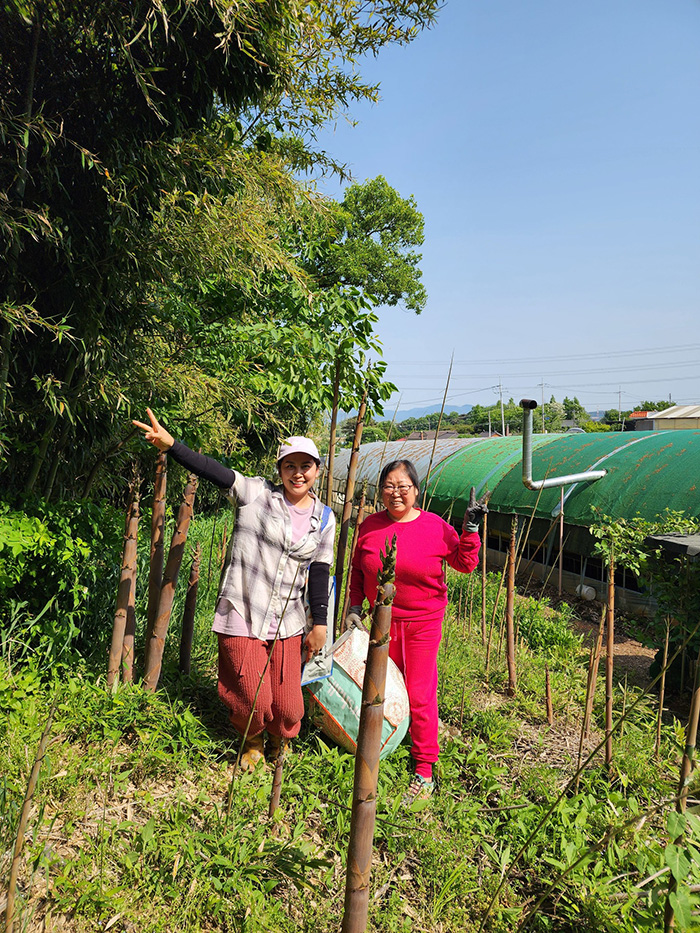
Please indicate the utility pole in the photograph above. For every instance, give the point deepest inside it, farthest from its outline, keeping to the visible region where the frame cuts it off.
(619, 405)
(503, 421)
(542, 384)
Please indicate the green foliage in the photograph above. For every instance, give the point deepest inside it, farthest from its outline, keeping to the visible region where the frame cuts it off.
(156, 227)
(544, 630)
(672, 580)
(56, 560)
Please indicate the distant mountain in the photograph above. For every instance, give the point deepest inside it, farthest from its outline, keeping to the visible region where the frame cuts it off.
(411, 412)
(429, 410)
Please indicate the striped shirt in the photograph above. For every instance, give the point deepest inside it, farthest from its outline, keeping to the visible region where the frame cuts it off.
(265, 569)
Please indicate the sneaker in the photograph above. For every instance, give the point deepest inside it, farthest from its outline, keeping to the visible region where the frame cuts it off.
(253, 752)
(420, 788)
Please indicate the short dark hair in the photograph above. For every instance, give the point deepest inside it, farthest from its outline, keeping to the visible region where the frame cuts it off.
(405, 465)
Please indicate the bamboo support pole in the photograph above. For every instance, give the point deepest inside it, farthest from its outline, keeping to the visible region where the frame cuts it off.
(347, 507)
(510, 610)
(224, 545)
(358, 523)
(483, 580)
(364, 798)
(548, 696)
(121, 652)
(687, 764)
(594, 664)
(437, 433)
(154, 651)
(334, 431)
(187, 634)
(493, 620)
(609, 658)
(561, 537)
(155, 572)
(23, 820)
(662, 691)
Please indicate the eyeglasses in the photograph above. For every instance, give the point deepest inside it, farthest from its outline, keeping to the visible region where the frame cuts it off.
(403, 490)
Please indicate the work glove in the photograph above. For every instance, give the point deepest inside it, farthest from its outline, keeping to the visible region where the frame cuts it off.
(354, 618)
(475, 511)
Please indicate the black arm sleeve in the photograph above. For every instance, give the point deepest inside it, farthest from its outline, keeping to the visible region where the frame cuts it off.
(206, 467)
(318, 592)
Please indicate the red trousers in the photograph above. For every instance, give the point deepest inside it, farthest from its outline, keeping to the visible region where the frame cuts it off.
(279, 707)
(414, 649)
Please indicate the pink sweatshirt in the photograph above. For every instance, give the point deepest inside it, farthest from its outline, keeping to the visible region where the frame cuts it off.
(421, 546)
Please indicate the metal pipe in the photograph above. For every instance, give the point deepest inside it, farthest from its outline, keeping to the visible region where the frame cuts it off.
(528, 406)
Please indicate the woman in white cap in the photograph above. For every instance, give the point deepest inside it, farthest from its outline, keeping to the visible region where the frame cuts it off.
(283, 537)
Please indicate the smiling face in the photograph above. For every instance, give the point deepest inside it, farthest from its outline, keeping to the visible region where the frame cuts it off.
(298, 472)
(399, 495)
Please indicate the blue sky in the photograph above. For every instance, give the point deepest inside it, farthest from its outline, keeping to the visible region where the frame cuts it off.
(553, 147)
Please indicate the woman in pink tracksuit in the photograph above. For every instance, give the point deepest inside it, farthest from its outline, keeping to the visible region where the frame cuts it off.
(424, 541)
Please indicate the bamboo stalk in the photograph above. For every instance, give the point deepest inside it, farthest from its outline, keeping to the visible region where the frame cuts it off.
(155, 572)
(167, 592)
(334, 431)
(609, 658)
(510, 610)
(364, 798)
(358, 523)
(347, 507)
(276, 792)
(121, 652)
(662, 691)
(23, 820)
(437, 432)
(187, 634)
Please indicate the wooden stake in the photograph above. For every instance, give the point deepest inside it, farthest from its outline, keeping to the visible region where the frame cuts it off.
(609, 658)
(510, 610)
(276, 792)
(548, 696)
(121, 652)
(154, 651)
(155, 571)
(347, 507)
(187, 634)
(364, 798)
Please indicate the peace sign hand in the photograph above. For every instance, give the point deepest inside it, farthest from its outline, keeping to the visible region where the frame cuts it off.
(156, 433)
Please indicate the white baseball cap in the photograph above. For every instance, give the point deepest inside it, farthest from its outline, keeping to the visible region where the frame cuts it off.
(297, 445)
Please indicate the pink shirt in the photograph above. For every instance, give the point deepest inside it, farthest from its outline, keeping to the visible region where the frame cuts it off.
(227, 621)
(421, 547)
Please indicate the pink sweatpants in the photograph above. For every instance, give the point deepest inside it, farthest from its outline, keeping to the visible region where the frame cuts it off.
(280, 705)
(414, 649)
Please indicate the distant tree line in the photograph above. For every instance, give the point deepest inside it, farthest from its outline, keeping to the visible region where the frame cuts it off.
(556, 417)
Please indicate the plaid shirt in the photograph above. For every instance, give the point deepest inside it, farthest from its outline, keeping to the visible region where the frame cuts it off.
(263, 568)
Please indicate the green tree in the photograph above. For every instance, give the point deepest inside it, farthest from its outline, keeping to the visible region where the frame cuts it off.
(149, 210)
(574, 411)
(370, 245)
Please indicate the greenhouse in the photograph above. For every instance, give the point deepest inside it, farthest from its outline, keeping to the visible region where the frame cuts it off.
(646, 473)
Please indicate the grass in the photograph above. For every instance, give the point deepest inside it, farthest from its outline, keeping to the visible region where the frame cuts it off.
(128, 829)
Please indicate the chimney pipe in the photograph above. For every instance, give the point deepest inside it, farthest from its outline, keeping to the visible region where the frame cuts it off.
(528, 405)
